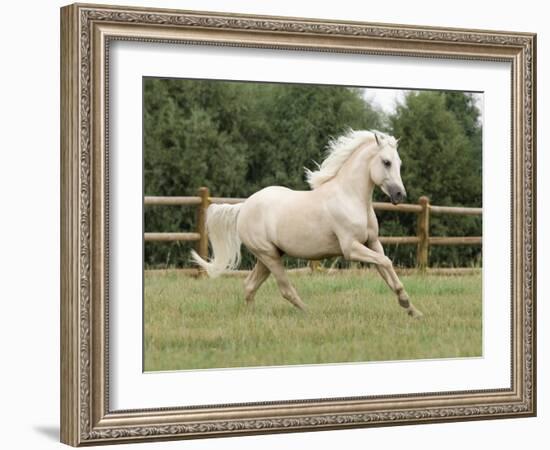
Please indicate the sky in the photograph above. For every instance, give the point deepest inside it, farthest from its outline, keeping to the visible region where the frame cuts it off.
(387, 99)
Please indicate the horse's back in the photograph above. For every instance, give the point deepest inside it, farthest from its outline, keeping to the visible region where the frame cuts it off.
(260, 210)
(270, 193)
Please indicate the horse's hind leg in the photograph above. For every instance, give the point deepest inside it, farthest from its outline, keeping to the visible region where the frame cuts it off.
(275, 266)
(254, 280)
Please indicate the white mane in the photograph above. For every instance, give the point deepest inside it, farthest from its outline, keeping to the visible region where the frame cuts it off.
(338, 152)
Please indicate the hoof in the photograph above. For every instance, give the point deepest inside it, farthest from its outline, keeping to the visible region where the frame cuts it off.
(300, 306)
(414, 313)
(404, 302)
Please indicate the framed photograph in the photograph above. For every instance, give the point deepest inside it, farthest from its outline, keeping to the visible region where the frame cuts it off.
(277, 224)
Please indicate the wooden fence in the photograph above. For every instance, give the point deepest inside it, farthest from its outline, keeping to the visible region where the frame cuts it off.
(423, 210)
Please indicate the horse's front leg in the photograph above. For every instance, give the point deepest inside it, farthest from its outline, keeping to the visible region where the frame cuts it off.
(375, 255)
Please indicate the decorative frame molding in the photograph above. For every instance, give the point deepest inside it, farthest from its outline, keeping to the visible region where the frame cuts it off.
(86, 31)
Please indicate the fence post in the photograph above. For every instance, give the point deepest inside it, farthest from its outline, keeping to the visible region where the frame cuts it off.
(202, 245)
(423, 233)
(315, 265)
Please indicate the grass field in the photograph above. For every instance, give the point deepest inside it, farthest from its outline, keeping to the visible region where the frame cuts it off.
(197, 323)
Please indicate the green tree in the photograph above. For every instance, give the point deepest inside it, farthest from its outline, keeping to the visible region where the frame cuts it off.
(440, 146)
(291, 126)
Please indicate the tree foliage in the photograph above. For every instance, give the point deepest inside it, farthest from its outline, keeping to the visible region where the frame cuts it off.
(238, 137)
(440, 146)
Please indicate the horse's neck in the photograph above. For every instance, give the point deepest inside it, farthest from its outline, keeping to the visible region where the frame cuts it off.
(354, 177)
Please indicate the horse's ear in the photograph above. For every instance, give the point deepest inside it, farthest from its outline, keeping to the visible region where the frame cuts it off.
(377, 139)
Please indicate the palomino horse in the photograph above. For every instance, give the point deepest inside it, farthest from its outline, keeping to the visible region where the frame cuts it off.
(335, 218)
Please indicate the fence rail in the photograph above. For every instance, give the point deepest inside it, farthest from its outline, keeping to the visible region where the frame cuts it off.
(423, 210)
(167, 237)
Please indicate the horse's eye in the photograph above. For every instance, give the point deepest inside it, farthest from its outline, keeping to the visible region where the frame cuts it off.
(386, 163)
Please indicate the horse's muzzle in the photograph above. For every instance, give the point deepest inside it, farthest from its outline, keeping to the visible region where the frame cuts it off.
(397, 194)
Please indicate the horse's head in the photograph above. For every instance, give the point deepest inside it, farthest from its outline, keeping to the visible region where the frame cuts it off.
(385, 169)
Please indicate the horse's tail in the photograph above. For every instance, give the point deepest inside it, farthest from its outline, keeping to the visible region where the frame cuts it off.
(221, 225)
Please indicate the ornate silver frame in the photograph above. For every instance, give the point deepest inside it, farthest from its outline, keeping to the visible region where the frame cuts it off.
(86, 31)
